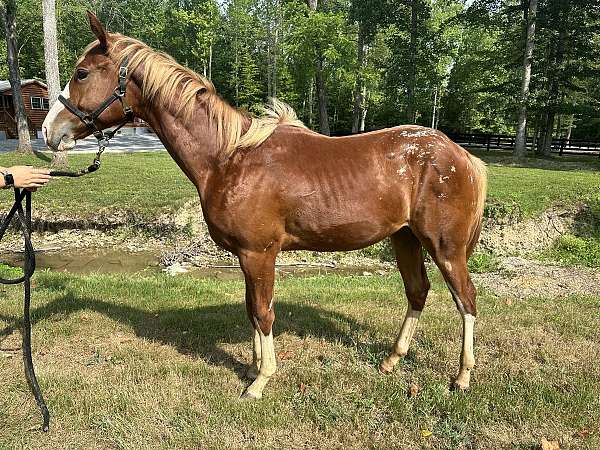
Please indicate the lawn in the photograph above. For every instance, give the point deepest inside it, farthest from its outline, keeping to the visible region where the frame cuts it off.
(141, 362)
(141, 185)
(149, 361)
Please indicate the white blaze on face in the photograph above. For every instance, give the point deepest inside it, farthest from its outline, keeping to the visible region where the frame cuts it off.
(53, 113)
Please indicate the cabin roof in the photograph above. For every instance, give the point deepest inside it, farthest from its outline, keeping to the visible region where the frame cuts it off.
(5, 84)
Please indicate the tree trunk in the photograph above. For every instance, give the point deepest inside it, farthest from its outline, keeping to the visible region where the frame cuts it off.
(521, 138)
(555, 78)
(359, 89)
(59, 159)
(310, 103)
(210, 51)
(570, 127)
(51, 50)
(363, 116)
(322, 96)
(548, 129)
(435, 99)
(320, 82)
(8, 15)
(412, 70)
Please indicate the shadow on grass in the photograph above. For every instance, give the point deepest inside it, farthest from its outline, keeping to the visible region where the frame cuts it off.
(42, 156)
(198, 331)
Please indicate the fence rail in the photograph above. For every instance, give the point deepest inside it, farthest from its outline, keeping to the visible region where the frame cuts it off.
(561, 146)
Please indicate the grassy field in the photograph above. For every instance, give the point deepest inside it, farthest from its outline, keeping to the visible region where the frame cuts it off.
(156, 362)
(147, 184)
(143, 185)
(150, 361)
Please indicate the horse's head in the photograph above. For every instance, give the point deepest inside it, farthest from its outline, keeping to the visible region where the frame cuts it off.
(94, 80)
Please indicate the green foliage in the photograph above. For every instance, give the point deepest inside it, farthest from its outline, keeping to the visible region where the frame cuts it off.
(582, 247)
(470, 55)
(9, 272)
(483, 262)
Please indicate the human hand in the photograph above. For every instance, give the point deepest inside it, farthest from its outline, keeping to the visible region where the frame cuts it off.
(29, 177)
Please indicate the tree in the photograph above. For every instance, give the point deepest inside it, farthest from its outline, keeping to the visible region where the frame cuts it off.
(51, 50)
(520, 141)
(59, 159)
(367, 15)
(8, 16)
(320, 82)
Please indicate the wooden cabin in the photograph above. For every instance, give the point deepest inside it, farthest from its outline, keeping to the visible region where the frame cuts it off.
(35, 97)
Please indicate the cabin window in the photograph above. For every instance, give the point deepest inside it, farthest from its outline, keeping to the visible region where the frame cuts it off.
(5, 102)
(36, 102)
(40, 103)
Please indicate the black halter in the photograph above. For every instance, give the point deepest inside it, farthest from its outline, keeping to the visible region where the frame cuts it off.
(89, 119)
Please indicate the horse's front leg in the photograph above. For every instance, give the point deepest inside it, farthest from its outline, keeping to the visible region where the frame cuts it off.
(259, 272)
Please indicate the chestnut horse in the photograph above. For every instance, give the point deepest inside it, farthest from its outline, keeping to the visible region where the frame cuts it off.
(269, 184)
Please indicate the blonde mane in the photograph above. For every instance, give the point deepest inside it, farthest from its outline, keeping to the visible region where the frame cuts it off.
(178, 88)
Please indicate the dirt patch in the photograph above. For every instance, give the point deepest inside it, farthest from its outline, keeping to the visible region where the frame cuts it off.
(511, 237)
(521, 278)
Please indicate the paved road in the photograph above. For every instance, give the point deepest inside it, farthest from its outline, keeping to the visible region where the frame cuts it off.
(119, 144)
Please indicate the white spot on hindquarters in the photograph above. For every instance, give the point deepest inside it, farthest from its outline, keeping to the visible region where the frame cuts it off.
(443, 179)
(401, 171)
(410, 148)
(452, 169)
(419, 133)
(443, 195)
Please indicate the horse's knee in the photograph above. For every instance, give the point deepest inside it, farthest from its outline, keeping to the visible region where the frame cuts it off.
(417, 294)
(264, 316)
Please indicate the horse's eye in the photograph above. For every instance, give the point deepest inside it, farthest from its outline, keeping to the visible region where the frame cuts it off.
(81, 74)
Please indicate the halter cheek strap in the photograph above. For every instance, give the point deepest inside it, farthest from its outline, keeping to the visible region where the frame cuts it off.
(89, 119)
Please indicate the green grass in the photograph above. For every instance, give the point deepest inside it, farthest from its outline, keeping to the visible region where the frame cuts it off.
(583, 246)
(142, 185)
(481, 262)
(156, 362)
(533, 190)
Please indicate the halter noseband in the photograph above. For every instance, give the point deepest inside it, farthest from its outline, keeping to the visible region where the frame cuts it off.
(89, 119)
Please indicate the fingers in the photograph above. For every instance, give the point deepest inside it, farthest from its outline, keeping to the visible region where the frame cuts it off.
(30, 177)
(40, 178)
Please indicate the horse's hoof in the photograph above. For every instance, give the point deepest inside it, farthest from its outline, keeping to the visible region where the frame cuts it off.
(247, 395)
(460, 386)
(385, 369)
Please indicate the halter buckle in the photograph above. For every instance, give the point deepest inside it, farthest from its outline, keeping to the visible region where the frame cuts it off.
(123, 71)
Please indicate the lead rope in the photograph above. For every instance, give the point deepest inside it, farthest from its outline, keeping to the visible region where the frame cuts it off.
(103, 139)
(24, 223)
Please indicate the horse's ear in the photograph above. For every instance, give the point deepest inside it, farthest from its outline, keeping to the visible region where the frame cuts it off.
(97, 29)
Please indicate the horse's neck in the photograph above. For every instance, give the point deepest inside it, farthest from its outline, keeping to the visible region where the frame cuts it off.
(192, 144)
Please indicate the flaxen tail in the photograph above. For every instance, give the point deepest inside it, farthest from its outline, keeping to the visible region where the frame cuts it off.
(480, 179)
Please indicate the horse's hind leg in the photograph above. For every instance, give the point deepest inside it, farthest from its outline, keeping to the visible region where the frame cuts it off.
(452, 262)
(409, 257)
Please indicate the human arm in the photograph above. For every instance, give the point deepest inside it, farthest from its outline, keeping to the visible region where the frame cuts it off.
(25, 176)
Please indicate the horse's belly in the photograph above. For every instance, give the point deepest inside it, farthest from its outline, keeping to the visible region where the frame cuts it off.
(334, 232)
